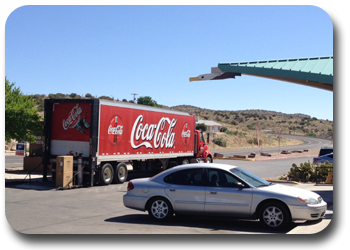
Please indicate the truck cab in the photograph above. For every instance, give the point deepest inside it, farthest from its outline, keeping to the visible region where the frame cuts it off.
(201, 147)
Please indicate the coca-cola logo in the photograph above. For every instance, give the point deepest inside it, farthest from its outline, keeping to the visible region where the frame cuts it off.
(115, 130)
(153, 135)
(186, 134)
(73, 118)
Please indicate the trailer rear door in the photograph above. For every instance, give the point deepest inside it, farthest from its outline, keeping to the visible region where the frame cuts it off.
(71, 124)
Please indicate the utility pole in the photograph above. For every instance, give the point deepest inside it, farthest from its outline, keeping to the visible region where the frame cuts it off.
(134, 96)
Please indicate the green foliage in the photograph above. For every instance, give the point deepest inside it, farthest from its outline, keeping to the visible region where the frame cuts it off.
(234, 122)
(147, 100)
(307, 172)
(21, 118)
(310, 134)
(223, 129)
(231, 132)
(249, 126)
(254, 141)
(201, 126)
(220, 141)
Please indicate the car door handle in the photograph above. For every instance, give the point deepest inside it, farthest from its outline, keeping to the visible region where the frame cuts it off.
(172, 190)
(212, 192)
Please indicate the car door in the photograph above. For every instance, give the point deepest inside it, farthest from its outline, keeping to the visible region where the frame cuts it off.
(186, 190)
(222, 195)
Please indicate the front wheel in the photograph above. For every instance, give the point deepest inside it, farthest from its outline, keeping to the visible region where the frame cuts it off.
(160, 209)
(274, 215)
(209, 160)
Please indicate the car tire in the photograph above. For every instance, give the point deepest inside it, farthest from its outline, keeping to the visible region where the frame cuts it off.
(274, 215)
(121, 173)
(106, 174)
(160, 209)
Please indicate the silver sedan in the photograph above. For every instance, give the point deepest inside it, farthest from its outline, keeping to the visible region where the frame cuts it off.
(220, 189)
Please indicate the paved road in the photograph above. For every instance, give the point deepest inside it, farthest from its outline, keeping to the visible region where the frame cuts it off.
(38, 209)
(308, 143)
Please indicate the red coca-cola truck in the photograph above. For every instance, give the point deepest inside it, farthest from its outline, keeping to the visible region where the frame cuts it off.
(108, 138)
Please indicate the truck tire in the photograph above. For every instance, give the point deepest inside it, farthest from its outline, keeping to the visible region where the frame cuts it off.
(185, 161)
(106, 174)
(121, 173)
(209, 159)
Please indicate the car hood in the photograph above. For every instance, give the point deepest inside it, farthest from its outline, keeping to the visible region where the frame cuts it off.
(290, 191)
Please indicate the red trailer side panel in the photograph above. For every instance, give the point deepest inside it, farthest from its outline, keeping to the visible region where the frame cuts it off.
(70, 128)
(153, 133)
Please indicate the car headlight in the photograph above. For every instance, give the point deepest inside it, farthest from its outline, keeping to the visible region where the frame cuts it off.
(311, 201)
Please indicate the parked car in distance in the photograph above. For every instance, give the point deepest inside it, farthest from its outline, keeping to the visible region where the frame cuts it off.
(325, 151)
(219, 189)
(323, 159)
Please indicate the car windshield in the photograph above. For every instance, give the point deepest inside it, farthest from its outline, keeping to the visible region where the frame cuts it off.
(250, 178)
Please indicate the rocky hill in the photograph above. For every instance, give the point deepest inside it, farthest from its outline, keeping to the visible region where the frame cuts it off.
(239, 126)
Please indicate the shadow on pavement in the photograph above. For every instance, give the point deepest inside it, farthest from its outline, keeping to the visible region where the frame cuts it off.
(212, 223)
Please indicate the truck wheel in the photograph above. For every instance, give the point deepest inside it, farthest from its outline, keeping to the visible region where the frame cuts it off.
(106, 174)
(185, 161)
(121, 173)
(209, 159)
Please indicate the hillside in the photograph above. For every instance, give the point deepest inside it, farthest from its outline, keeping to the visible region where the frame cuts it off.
(240, 125)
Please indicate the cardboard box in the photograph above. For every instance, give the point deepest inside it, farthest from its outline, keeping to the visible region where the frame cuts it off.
(64, 180)
(64, 164)
(64, 171)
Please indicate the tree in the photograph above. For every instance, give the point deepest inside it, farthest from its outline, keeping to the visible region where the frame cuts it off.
(21, 118)
(147, 100)
(201, 126)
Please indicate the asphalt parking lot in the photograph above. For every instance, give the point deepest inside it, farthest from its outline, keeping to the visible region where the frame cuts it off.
(39, 208)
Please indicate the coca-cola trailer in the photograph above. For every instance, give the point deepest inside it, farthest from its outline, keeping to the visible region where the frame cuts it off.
(107, 137)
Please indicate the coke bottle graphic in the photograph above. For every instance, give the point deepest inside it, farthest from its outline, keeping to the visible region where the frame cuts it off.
(186, 138)
(84, 122)
(79, 128)
(115, 140)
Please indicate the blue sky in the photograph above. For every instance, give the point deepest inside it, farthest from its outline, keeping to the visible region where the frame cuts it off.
(153, 50)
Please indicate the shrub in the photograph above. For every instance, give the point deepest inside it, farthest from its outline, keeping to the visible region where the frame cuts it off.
(223, 129)
(220, 141)
(307, 171)
(249, 126)
(234, 123)
(254, 141)
(201, 126)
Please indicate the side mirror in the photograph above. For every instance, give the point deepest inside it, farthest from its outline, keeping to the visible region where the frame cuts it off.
(239, 185)
(208, 135)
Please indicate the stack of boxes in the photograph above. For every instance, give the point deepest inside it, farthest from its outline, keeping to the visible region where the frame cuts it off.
(64, 171)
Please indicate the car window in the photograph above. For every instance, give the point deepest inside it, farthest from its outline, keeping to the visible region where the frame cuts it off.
(250, 178)
(220, 178)
(324, 151)
(189, 177)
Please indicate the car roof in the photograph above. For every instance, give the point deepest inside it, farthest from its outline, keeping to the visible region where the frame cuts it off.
(191, 165)
(205, 165)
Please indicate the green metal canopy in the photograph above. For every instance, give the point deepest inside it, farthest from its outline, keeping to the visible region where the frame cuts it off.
(314, 71)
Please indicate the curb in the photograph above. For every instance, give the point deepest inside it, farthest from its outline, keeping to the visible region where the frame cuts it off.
(233, 158)
(282, 158)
